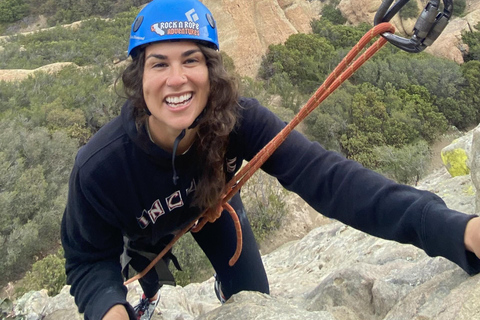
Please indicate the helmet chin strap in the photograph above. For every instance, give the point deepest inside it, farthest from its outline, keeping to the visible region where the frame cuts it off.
(177, 142)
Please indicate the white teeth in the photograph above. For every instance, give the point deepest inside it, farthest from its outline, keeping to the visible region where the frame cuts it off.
(179, 99)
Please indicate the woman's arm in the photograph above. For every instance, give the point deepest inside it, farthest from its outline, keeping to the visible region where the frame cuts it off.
(117, 312)
(93, 246)
(472, 236)
(344, 190)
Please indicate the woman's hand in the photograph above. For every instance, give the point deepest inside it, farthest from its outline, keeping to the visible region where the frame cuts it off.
(472, 236)
(117, 312)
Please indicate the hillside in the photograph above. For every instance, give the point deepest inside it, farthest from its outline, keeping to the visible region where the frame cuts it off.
(247, 28)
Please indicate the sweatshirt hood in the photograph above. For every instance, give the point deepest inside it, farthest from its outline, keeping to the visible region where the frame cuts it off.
(140, 138)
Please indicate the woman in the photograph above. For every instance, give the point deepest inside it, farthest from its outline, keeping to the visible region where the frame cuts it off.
(182, 134)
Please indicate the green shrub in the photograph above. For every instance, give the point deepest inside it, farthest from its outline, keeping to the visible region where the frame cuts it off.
(13, 10)
(6, 309)
(459, 7)
(405, 165)
(194, 263)
(265, 204)
(410, 10)
(332, 14)
(48, 273)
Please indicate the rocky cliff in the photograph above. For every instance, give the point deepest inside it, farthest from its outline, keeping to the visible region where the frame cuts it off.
(333, 273)
(247, 28)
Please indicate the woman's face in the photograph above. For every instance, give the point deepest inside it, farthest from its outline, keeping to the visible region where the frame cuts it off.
(176, 85)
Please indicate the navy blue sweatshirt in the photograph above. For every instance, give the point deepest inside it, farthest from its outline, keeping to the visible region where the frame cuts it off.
(121, 185)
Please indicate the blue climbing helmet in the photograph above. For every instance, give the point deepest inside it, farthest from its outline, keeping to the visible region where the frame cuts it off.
(162, 20)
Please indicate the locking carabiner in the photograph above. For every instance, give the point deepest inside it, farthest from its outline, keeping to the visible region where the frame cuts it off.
(428, 27)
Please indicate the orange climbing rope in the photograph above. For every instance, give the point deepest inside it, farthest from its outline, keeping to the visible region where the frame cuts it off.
(341, 73)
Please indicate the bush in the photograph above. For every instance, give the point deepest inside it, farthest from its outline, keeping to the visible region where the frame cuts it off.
(305, 58)
(405, 165)
(33, 194)
(264, 202)
(459, 7)
(332, 14)
(48, 273)
(12, 10)
(410, 10)
(194, 263)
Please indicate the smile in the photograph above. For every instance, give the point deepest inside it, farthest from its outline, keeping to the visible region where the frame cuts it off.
(176, 101)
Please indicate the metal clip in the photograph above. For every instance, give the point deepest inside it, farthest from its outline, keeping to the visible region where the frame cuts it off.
(428, 27)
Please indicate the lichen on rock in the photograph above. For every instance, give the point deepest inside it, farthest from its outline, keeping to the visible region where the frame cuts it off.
(456, 162)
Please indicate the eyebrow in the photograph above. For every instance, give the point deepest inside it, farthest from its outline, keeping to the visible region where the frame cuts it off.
(163, 57)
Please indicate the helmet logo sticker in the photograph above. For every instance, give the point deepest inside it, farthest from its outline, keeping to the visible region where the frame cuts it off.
(189, 27)
(157, 29)
(191, 15)
(176, 27)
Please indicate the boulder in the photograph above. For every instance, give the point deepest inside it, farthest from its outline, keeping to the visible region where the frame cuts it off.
(475, 165)
(457, 156)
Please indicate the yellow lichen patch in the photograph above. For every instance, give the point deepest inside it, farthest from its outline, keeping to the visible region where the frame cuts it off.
(470, 190)
(455, 161)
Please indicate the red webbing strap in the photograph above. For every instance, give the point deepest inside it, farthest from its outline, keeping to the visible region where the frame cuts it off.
(341, 73)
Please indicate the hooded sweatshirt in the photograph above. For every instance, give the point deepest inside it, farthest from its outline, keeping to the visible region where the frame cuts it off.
(121, 186)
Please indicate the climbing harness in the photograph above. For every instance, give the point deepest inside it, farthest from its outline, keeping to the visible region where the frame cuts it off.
(428, 27)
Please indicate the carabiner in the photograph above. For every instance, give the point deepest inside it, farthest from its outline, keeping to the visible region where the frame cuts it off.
(428, 27)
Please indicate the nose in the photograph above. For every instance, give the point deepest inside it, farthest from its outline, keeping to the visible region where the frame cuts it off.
(176, 77)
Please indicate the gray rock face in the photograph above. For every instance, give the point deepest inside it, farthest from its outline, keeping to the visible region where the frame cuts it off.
(475, 165)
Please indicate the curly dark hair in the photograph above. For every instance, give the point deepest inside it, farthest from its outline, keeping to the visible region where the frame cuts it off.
(218, 121)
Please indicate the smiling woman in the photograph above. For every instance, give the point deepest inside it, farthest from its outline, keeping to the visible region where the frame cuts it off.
(176, 88)
(213, 122)
(182, 134)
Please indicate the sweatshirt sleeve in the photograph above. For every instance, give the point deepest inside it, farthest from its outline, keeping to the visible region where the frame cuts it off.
(92, 247)
(346, 191)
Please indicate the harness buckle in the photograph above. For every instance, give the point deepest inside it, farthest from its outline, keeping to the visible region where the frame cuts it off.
(429, 26)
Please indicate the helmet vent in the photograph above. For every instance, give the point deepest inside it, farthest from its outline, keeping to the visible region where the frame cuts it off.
(210, 20)
(138, 23)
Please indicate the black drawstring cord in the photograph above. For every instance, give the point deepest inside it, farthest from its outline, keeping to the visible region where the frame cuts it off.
(177, 141)
(175, 146)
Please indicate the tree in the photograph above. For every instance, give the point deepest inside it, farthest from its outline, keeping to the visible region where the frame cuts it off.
(13, 10)
(228, 63)
(406, 164)
(459, 7)
(364, 131)
(423, 115)
(33, 191)
(409, 10)
(339, 36)
(48, 273)
(472, 40)
(469, 104)
(305, 59)
(332, 14)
